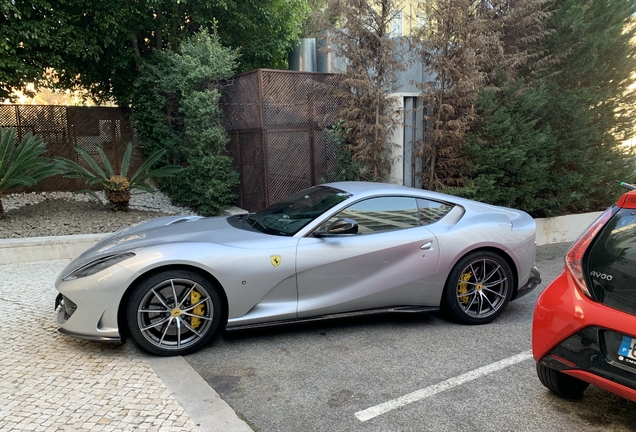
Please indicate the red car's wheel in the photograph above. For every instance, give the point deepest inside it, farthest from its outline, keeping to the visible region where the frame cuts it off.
(561, 384)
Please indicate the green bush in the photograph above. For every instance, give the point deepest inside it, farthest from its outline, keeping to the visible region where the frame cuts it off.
(211, 177)
(347, 170)
(176, 109)
(510, 152)
(22, 164)
(521, 156)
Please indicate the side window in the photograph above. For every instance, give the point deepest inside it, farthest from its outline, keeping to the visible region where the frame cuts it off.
(381, 214)
(432, 211)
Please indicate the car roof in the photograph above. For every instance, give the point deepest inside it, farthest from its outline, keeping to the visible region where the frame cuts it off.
(360, 189)
(364, 189)
(627, 200)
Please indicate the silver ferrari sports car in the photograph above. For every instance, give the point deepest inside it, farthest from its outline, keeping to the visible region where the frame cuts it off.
(334, 250)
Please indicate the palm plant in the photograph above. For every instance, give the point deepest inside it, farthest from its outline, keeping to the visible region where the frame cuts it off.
(116, 186)
(22, 164)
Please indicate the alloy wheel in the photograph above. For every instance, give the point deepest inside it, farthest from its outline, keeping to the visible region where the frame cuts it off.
(175, 314)
(482, 288)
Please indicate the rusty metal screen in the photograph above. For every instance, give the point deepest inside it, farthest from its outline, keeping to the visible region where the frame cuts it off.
(277, 121)
(63, 128)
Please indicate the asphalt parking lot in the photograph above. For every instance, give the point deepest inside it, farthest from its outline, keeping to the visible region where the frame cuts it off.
(402, 373)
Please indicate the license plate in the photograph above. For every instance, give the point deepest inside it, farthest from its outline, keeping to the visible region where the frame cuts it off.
(627, 350)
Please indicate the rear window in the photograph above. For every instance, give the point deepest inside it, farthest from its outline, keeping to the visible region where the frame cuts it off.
(432, 211)
(612, 263)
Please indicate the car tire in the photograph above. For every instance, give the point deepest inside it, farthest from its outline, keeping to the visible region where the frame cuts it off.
(562, 385)
(174, 312)
(478, 288)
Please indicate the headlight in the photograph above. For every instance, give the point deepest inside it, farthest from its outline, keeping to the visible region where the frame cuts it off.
(98, 265)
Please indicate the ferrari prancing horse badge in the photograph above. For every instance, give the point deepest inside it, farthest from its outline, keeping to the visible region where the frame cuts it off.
(275, 259)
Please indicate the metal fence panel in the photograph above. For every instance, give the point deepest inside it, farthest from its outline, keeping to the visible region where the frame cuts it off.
(288, 163)
(290, 112)
(287, 100)
(252, 170)
(241, 102)
(107, 127)
(8, 116)
(63, 128)
(325, 161)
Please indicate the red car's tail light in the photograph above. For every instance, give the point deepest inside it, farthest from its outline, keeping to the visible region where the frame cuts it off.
(574, 257)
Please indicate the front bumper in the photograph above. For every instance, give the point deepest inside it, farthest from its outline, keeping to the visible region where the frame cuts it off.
(575, 335)
(91, 338)
(88, 307)
(65, 308)
(533, 281)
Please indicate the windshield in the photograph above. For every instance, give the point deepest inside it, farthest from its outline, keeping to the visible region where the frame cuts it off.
(287, 217)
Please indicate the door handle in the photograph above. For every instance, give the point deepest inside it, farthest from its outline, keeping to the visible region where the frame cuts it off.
(427, 246)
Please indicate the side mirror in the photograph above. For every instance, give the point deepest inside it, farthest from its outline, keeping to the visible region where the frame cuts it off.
(339, 227)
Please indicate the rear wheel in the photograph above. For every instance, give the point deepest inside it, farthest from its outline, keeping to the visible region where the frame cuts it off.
(478, 288)
(561, 384)
(174, 312)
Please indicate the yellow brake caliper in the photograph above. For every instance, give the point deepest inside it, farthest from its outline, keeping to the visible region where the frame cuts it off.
(463, 287)
(199, 310)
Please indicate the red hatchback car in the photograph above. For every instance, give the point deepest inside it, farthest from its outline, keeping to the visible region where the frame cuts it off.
(584, 327)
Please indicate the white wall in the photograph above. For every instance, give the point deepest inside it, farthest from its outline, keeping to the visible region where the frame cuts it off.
(562, 229)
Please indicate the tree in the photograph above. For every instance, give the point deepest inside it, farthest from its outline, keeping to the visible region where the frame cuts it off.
(552, 146)
(591, 102)
(449, 45)
(513, 42)
(347, 169)
(468, 45)
(263, 30)
(507, 149)
(176, 109)
(14, 73)
(101, 45)
(503, 143)
(71, 36)
(373, 60)
(320, 18)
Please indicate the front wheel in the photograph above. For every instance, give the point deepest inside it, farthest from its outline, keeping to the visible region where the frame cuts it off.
(174, 312)
(561, 384)
(478, 288)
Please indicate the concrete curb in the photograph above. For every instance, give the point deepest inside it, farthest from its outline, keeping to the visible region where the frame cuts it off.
(20, 250)
(204, 405)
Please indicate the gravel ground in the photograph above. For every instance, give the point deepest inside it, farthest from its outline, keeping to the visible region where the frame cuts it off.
(65, 213)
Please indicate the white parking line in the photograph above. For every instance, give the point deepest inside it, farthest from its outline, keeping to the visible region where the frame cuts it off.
(450, 383)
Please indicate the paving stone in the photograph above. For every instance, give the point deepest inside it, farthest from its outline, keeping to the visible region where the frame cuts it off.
(52, 382)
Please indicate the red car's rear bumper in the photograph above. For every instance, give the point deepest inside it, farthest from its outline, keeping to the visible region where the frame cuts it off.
(577, 336)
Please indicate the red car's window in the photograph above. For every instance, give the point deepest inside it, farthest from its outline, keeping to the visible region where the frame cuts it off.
(611, 263)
